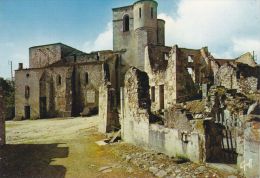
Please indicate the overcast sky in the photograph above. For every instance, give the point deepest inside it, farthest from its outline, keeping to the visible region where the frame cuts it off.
(228, 27)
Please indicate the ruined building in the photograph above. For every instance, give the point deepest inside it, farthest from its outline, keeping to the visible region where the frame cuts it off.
(179, 101)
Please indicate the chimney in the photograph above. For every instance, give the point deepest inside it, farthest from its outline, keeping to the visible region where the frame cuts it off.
(20, 66)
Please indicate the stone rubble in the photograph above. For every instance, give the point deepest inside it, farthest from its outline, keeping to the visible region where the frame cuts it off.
(163, 166)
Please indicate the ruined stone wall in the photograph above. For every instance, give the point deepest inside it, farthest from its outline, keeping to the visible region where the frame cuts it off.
(135, 124)
(170, 79)
(179, 82)
(60, 91)
(88, 91)
(155, 65)
(161, 32)
(42, 56)
(137, 129)
(226, 76)
(2, 119)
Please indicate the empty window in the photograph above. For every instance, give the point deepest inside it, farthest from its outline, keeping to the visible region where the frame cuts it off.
(86, 78)
(153, 94)
(190, 71)
(190, 59)
(126, 23)
(140, 12)
(58, 80)
(161, 96)
(152, 12)
(27, 92)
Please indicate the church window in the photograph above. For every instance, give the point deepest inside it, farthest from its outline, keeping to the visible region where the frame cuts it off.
(58, 80)
(126, 23)
(86, 78)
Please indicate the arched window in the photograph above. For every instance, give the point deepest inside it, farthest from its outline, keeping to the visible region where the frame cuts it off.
(86, 78)
(27, 92)
(126, 23)
(58, 80)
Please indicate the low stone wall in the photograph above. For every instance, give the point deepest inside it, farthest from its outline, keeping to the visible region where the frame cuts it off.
(2, 119)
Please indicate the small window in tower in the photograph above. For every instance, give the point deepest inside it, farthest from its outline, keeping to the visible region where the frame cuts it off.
(58, 80)
(86, 78)
(27, 92)
(152, 12)
(140, 12)
(126, 23)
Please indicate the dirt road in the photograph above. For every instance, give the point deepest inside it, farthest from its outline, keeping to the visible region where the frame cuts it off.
(66, 148)
(60, 148)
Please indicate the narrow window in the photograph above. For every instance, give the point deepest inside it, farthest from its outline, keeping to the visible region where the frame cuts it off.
(161, 96)
(152, 12)
(27, 92)
(126, 23)
(58, 80)
(153, 94)
(86, 78)
(140, 13)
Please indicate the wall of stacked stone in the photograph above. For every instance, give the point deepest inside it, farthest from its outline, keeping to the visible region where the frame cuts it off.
(2, 119)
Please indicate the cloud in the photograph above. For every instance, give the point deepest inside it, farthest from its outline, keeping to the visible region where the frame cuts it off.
(228, 28)
(102, 42)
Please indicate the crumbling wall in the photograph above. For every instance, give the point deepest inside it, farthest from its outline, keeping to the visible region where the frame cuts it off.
(226, 76)
(2, 119)
(135, 124)
(156, 59)
(137, 127)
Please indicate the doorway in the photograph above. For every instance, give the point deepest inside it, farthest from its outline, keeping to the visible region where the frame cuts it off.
(27, 112)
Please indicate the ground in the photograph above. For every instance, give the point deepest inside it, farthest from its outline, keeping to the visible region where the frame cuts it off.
(66, 148)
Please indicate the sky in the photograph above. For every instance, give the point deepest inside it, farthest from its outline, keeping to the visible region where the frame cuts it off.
(228, 27)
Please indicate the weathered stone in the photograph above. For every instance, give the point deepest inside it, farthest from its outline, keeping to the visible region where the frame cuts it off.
(153, 170)
(161, 173)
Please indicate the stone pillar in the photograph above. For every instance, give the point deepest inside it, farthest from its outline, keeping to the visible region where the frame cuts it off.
(103, 109)
(2, 119)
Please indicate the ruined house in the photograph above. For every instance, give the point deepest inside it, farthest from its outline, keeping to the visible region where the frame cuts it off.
(62, 81)
(178, 101)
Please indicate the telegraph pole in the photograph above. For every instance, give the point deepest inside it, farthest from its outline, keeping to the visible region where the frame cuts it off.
(11, 64)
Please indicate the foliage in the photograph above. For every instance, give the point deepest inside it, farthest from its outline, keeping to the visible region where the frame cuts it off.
(8, 89)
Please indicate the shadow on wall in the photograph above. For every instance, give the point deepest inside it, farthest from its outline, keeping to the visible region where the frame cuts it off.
(32, 160)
